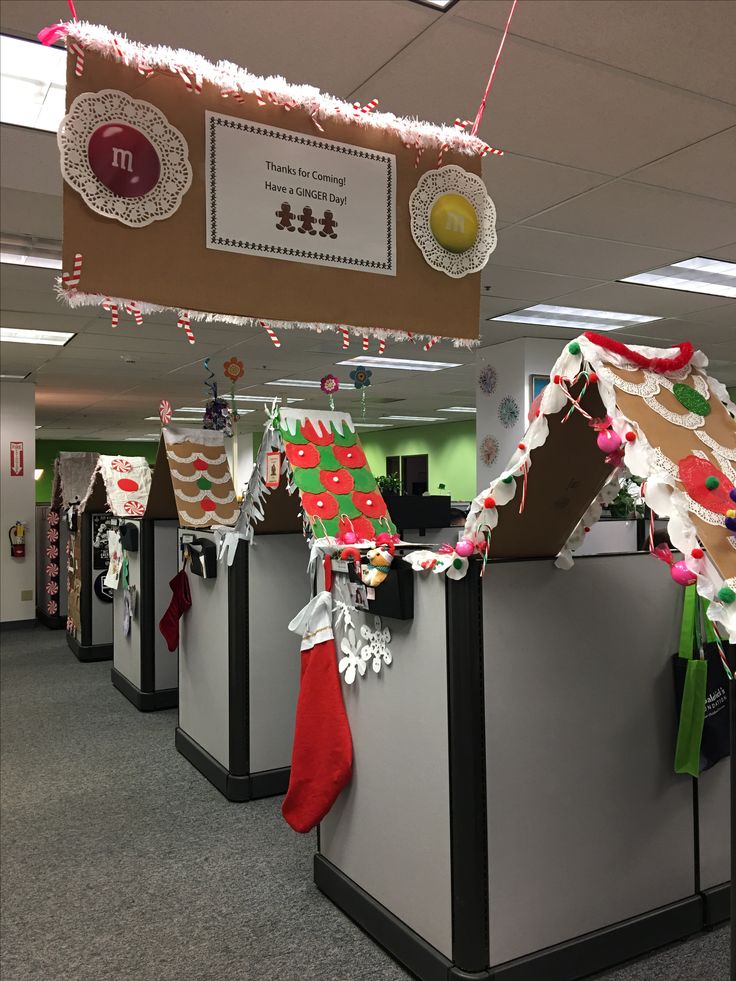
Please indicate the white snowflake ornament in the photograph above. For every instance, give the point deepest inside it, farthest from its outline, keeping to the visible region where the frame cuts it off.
(352, 663)
(377, 647)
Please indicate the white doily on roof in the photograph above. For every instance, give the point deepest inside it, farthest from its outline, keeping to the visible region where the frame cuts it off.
(447, 180)
(87, 113)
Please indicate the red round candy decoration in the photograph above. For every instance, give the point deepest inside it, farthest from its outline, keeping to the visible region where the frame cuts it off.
(693, 472)
(126, 484)
(370, 503)
(200, 464)
(630, 436)
(124, 160)
(207, 504)
(321, 505)
(321, 436)
(302, 455)
(352, 457)
(336, 481)
(363, 529)
(592, 378)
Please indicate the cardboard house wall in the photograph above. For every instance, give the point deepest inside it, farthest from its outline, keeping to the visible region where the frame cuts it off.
(677, 432)
(120, 484)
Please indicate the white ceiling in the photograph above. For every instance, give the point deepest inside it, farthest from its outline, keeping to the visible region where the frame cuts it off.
(618, 119)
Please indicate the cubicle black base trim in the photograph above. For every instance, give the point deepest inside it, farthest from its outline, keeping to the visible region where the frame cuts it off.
(264, 783)
(52, 622)
(18, 624)
(144, 701)
(89, 652)
(717, 904)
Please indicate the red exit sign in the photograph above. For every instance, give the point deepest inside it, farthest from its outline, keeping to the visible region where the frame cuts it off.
(16, 459)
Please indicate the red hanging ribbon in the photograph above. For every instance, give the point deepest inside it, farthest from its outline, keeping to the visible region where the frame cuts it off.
(72, 8)
(482, 106)
(660, 365)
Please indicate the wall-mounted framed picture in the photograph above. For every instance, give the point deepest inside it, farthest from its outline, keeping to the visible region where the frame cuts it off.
(536, 384)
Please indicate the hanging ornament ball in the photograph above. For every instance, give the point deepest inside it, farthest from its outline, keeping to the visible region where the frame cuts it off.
(464, 548)
(574, 348)
(691, 400)
(712, 483)
(124, 160)
(681, 574)
(350, 538)
(697, 553)
(608, 441)
(726, 595)
(454, 222)
(731, 513)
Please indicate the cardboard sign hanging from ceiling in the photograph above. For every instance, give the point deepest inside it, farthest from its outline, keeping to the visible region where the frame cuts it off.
(202, 189)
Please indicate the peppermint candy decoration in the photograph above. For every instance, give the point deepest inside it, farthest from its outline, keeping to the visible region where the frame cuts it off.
(164, 412)
(134, 508)
(70, 625)
(52, 589)
(53, 607)
(52, 552)
(52, 570)
(53, 518)
(122, 466)
(53, 534)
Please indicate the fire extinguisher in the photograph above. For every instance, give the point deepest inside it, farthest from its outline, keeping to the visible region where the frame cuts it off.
(17, 536)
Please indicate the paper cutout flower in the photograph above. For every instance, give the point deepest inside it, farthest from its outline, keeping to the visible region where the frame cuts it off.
(351, 457)
(371, 503)
(361, 377)
(457, 568)
(352, 663)
(377, 648)
(706, 484)
(336, 481)
(488, 450)
(487, 379)
(234, 369)
(302, 455)
(321, 505)
(329, 384)
(508, 411)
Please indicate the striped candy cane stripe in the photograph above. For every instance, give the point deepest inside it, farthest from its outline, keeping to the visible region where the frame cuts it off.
(72, 281)
(381, 347)
(363, 110)
(118, 51)
(185, 324)
(113, 310)
(492, 150)
(193, 84)
(441, 154)
(235, 94)
(366, 342)
(271, 333)
(135, 313)
(79, 63)
(345, 337)
(430, 343)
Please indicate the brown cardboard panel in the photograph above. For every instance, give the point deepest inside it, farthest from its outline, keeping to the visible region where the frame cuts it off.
(97, 500)
(183, 476)
(565, 476)
(161, 500)
(281, 512)
(167, 262)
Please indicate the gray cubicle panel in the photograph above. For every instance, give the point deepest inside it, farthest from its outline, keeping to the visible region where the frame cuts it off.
(144, 670)
(513, 813)
(51, 590)
(239, 667)
(714, 800)
(95, 599)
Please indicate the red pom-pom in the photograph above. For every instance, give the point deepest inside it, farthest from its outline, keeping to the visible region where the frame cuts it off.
(556, 379)
(630, 436)
(586, 530)
(592, 377)
(490, 502)
(697, 553)
(522, 446)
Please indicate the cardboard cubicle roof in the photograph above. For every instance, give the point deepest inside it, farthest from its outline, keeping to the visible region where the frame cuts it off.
(192, 479)
(676, 426)
(72, 475)
(120, 484)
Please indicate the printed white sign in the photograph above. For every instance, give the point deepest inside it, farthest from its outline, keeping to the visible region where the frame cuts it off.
(285, 195)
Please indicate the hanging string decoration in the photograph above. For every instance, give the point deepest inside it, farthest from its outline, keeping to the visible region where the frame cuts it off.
(329, 385)
(361, 377)
(216, 411)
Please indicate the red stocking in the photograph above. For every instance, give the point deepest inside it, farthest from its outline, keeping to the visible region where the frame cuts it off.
(322, 758)
(180, 603)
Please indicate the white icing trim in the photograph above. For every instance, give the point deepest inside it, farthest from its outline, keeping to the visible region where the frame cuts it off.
(320, 419)
(228, 499)
(199, 473)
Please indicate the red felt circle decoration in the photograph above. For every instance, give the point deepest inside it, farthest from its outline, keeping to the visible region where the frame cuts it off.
(321, 505)
(321, 436)
(124, 160)
(352, 457)
(200, 464)
(370, 503)
(302, 455)
(363, 529)
(336, 481)
(694, 471)
(126, 484)
(207, 504)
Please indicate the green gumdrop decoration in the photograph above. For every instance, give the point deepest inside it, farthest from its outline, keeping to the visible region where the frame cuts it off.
(204, 484)
(573, 348)
(507, 480)
(712, 483)
(726, 594)
(364, 480)
(308, 480)
(327, 459)
(346, 438)
(691, 400)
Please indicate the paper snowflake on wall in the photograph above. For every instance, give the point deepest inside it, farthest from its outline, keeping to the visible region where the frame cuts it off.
(508, 411)
(351, 663)
(487, 379)
(376, 647)
(488, 450)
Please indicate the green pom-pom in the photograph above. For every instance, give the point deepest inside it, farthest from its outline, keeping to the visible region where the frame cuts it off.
(726, 594)
(574, 348)
(691, 400)
(712, 482)
(507, 480)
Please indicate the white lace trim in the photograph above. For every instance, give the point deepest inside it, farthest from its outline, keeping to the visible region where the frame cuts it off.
(228, 499)
(200, 473)
(195, 456)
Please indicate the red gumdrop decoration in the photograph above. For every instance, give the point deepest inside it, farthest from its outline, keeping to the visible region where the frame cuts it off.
(207, 504)
(124, 160)
(200, 464)
(126, 484)
(556, 379)
(697, 553)
(630, 436)
(490, 502)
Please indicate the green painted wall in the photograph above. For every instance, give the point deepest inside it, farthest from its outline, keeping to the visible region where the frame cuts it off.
(47, 451)
(449, 446)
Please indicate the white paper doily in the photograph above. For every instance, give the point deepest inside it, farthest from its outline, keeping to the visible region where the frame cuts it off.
(452, 180)
(87, 113)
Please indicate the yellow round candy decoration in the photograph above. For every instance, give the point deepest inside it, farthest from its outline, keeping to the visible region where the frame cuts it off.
(454, 222)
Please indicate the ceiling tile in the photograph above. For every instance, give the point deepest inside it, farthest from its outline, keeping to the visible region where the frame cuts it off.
(647, 300)
(707, 168)
(522, 186)
(501, 282)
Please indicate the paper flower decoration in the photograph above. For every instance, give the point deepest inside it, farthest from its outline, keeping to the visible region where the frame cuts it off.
(329, 384)
(234, 369)
(487, 379)
(453, 221)
(508, 411)
(361, 377)
(488, 450)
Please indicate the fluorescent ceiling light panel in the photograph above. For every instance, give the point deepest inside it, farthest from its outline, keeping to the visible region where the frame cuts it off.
(261, 399)
(37, 261)
(458, 408)
(441, 5)
(698, 275)
(15, 378)
(401, 364)
(369, 425)
(32, 84)
(413, 418)
(577, 318)
(18, 335)
(295, 383)
(148, 438)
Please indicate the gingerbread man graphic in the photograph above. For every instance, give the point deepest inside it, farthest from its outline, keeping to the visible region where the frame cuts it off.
(287, 216)
(308, 221)
(329, 225)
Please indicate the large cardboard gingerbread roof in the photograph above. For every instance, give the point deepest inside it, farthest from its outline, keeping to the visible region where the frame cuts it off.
(120, 483)
(192, 479)
(655, 412)
(72, 475)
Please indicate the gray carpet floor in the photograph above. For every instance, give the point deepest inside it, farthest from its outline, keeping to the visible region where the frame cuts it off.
(119, 861)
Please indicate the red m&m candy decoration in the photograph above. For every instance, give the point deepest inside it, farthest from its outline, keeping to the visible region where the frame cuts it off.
(124, 160)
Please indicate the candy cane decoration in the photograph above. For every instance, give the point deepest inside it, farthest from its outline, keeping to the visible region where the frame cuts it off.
(185, 324)
(113, 310)
(441, 154)
(134, 312)
(345, 337)
(119, 51)
(492, 150)
(430, 343)
(144, 70)
(72, 281)
(364, 110)
(381, 347)
(192, 86)
(271, 333)
(366, 342)
(234, 94)
(79, 63)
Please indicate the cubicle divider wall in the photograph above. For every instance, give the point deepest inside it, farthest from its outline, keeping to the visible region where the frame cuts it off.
(89, 558)
(239, 666)
(144, 670)
(51, 567)
(513, 812)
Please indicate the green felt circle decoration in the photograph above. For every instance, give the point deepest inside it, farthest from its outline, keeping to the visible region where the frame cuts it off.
(308, 480)
(364, 480)
(712, 483)
(345, 506)
(327, 460)
(574, 348)
(726, 594)
(690, 399)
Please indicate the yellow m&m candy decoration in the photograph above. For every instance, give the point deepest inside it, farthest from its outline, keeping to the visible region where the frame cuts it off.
(454, 222)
